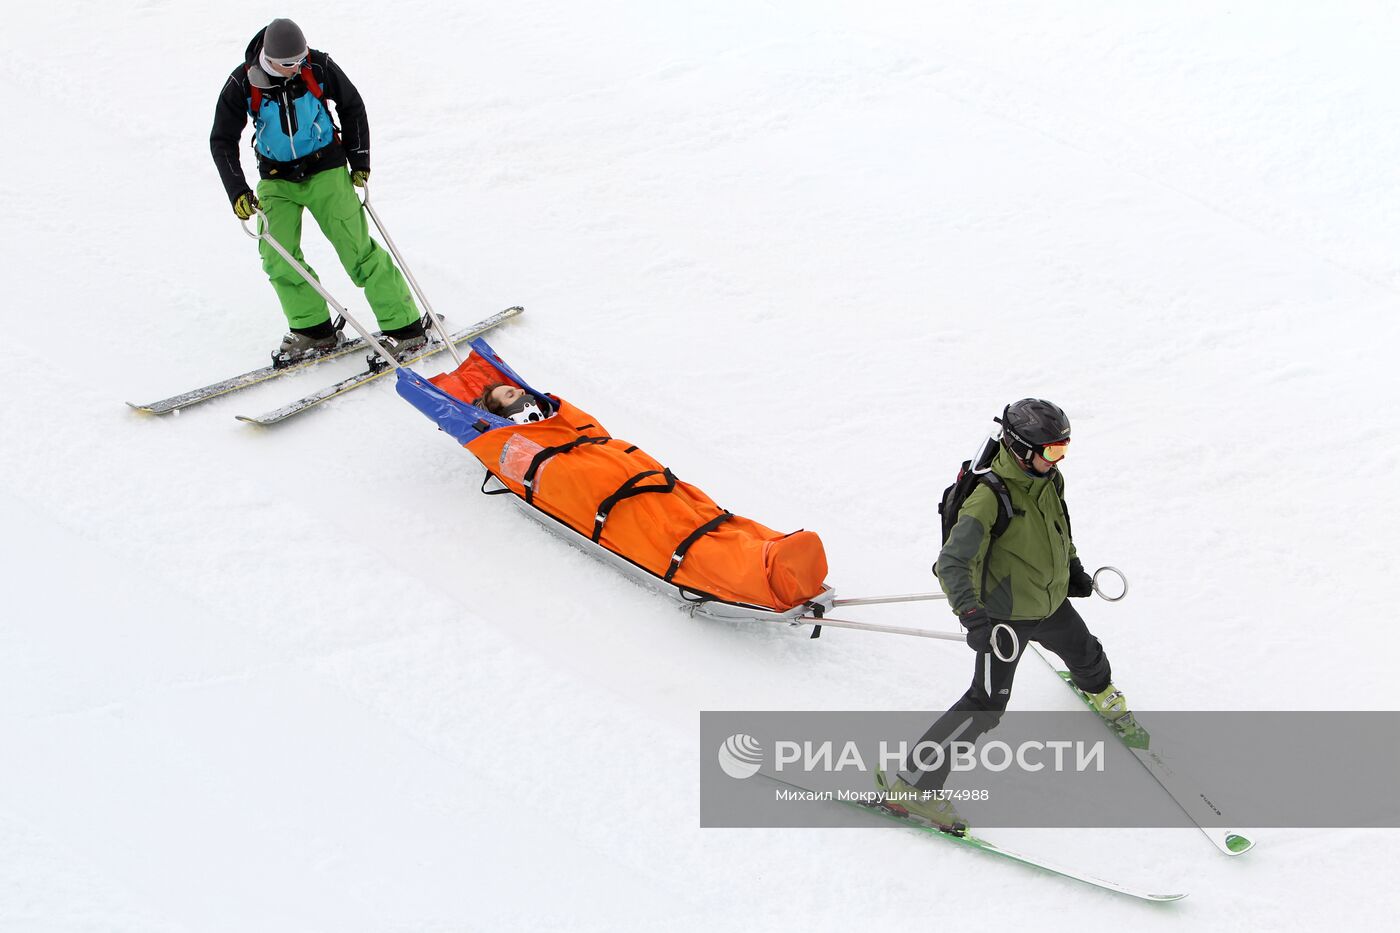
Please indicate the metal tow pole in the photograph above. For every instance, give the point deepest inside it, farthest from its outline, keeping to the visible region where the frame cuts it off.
(311, 280)
(433, 316)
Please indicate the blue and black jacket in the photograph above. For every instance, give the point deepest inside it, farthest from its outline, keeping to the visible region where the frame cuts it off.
(294, 136)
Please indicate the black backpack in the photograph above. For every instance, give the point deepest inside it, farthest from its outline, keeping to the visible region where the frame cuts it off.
(972, 473)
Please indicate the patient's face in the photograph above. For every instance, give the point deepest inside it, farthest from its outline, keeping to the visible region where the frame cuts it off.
(501, 396)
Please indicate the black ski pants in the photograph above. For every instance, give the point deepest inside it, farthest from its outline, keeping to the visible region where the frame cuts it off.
(980, 708)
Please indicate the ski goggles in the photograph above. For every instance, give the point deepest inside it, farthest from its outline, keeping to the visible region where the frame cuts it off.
(289, 63)
(1054, 453)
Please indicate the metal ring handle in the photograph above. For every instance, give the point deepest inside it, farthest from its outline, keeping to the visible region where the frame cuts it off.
(1121, 576)
(257, 212)
(1015, 643)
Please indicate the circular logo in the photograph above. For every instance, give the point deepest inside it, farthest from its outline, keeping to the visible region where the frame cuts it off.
(741, 756)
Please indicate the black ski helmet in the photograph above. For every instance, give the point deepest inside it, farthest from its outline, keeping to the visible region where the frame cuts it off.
(1028, 425)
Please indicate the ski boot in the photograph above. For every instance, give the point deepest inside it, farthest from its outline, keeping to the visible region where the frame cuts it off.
(1113, 707)
(1109, 703)
(402, 342)
(304, 344)
(905, 799)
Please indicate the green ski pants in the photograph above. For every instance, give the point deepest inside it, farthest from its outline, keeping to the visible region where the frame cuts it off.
(331, 199)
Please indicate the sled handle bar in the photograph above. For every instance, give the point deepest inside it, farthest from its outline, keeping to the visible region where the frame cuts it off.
(434, 319)
(266, 236)
(926, 597)
(920, 633)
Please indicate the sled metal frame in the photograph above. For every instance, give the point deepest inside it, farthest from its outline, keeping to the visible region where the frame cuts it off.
(811, 613)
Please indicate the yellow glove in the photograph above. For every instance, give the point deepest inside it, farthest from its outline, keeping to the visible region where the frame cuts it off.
(245, 204)
(360, 177)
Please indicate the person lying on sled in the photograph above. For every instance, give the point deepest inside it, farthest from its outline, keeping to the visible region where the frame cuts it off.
(508, 401)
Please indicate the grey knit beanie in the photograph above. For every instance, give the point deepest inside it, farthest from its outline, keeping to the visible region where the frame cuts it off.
(283, 39)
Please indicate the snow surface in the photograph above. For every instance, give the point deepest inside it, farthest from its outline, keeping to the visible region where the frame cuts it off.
(309, 679)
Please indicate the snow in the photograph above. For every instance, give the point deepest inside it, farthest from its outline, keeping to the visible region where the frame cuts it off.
(309, 679)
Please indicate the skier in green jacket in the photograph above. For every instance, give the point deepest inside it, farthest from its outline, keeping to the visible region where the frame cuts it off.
(307, 162)
(1020, 578)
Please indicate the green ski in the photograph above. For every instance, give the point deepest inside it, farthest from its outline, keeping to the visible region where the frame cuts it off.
(1202, 810)
(982, 845)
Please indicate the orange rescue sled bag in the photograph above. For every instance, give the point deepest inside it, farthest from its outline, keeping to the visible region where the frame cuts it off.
(618, 496)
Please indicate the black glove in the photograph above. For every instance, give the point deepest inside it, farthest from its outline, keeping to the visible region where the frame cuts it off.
(979, 629)
(1080, 583)
(245, 204)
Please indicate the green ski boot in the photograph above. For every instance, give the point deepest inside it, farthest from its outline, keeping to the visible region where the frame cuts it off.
(1109, 703)
(905, 799)
(1113, 707)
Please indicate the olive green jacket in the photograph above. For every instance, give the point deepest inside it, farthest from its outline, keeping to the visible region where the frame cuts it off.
(1027, 567)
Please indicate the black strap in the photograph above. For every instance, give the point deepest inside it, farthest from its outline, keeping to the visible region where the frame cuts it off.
(679, 554)
(494, 492)
(544, 455)
(1004, 512)
(1004, 509)
(699, 597)
(627, 490)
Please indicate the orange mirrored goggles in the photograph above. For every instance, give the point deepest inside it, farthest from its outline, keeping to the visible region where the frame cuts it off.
(1055, 452)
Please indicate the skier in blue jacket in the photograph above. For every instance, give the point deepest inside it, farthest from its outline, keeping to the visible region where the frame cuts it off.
(306, 162)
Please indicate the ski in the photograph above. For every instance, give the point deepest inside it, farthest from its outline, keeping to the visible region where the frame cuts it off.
(373, 373)
(1132, 733)
(982, 845)
(251, 378)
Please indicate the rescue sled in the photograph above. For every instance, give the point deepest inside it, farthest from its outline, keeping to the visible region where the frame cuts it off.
(620, 504)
